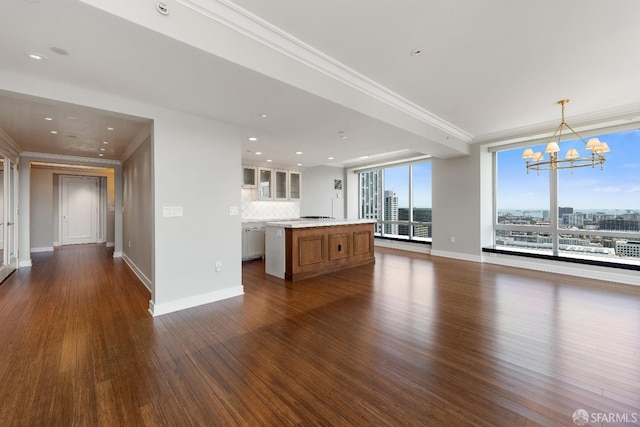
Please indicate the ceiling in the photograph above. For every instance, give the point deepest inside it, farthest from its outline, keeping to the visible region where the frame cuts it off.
(336, 80)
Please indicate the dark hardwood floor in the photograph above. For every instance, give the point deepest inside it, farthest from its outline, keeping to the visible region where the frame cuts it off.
(410, 340)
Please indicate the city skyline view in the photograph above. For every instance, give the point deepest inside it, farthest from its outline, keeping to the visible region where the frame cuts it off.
(397, 179)
(616, 188)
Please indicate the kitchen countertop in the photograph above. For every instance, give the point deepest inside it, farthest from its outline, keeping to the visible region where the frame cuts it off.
(306, 223)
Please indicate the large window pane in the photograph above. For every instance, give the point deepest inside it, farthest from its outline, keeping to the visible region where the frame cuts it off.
(606, 198)
(522, 198)
(396, 201)
(421, 200)
(598, 209)
(399, 198)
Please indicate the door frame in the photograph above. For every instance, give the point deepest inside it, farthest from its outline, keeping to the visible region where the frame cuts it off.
(10, 211)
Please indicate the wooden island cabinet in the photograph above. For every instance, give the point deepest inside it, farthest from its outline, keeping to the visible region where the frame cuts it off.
(300, 249)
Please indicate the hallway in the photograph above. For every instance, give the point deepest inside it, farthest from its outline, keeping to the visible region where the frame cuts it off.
(411, 340)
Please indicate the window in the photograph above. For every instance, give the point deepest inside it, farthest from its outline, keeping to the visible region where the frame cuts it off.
(580, 213)
(399, 197)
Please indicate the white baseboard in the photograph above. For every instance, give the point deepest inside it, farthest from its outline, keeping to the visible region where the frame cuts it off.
(405, 246)
(457, 255)
(110, 244)
(182, 304)
(25, 263)
(43, 249)
(56, 244)
(143, 278)
(117, 254)
(617, 275)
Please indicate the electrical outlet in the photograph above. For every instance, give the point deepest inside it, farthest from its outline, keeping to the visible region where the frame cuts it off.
(218, 265)
(452, 239)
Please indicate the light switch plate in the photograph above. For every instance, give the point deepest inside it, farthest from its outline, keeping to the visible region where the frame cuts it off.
(233, 210)
(169, 211)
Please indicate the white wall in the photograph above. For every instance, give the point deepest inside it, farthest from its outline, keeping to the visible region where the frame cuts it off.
(137, 212)
(196, 163)
(462, 205)
(319, 198)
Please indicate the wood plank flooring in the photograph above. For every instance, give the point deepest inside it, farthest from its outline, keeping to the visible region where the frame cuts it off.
(408, 341)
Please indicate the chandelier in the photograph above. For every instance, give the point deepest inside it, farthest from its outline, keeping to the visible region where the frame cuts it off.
(537, 161)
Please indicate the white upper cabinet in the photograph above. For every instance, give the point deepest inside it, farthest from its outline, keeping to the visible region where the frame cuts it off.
(281, 184)
(249, 177)
(272, 184)
(265, 184)
(294, 185)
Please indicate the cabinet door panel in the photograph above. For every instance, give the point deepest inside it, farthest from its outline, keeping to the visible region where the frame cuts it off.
(265, 189)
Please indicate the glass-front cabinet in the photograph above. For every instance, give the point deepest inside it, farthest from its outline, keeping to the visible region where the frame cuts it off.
(249, 179)
(272, 184)
(281, 184)
(265, 186)
(294, 185)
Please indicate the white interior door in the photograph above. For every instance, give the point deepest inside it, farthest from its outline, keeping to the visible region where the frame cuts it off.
(79, 208)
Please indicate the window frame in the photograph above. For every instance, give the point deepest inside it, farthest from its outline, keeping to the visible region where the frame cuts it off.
(381, 221)
(553, 228)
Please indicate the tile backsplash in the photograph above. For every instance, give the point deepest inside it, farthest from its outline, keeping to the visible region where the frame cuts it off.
(252, 208)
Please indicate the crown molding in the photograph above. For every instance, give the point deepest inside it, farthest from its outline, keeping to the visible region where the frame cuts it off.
(241, 20)
(8, 146)
(626, 115)
(70, 159)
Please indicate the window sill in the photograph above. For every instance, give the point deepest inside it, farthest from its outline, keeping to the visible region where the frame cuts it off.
(563, 258)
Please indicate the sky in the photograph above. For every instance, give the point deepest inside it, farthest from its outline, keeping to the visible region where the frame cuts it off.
(397, 179)
(616, 188)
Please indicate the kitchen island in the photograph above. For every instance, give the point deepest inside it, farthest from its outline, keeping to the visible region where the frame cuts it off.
(299, 249)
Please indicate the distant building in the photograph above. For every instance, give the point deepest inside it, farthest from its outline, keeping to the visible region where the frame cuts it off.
(419, 215)
(562, 211)
(619, 224)
(391, 211)
(628, 248)
(370, 196)
(573, 219)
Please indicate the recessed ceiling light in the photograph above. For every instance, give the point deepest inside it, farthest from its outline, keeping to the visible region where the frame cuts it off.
(71, 118)
(109, 128)
(48, 118)
(36, 56)
(298, 152)
(103, 149)
(416, 52)
(330, 158)
(258, 153)
(252, 138)
(269, 160)
(264, 116)
(299, 164)
(104, 142)
(54, 131)
(101, 155)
